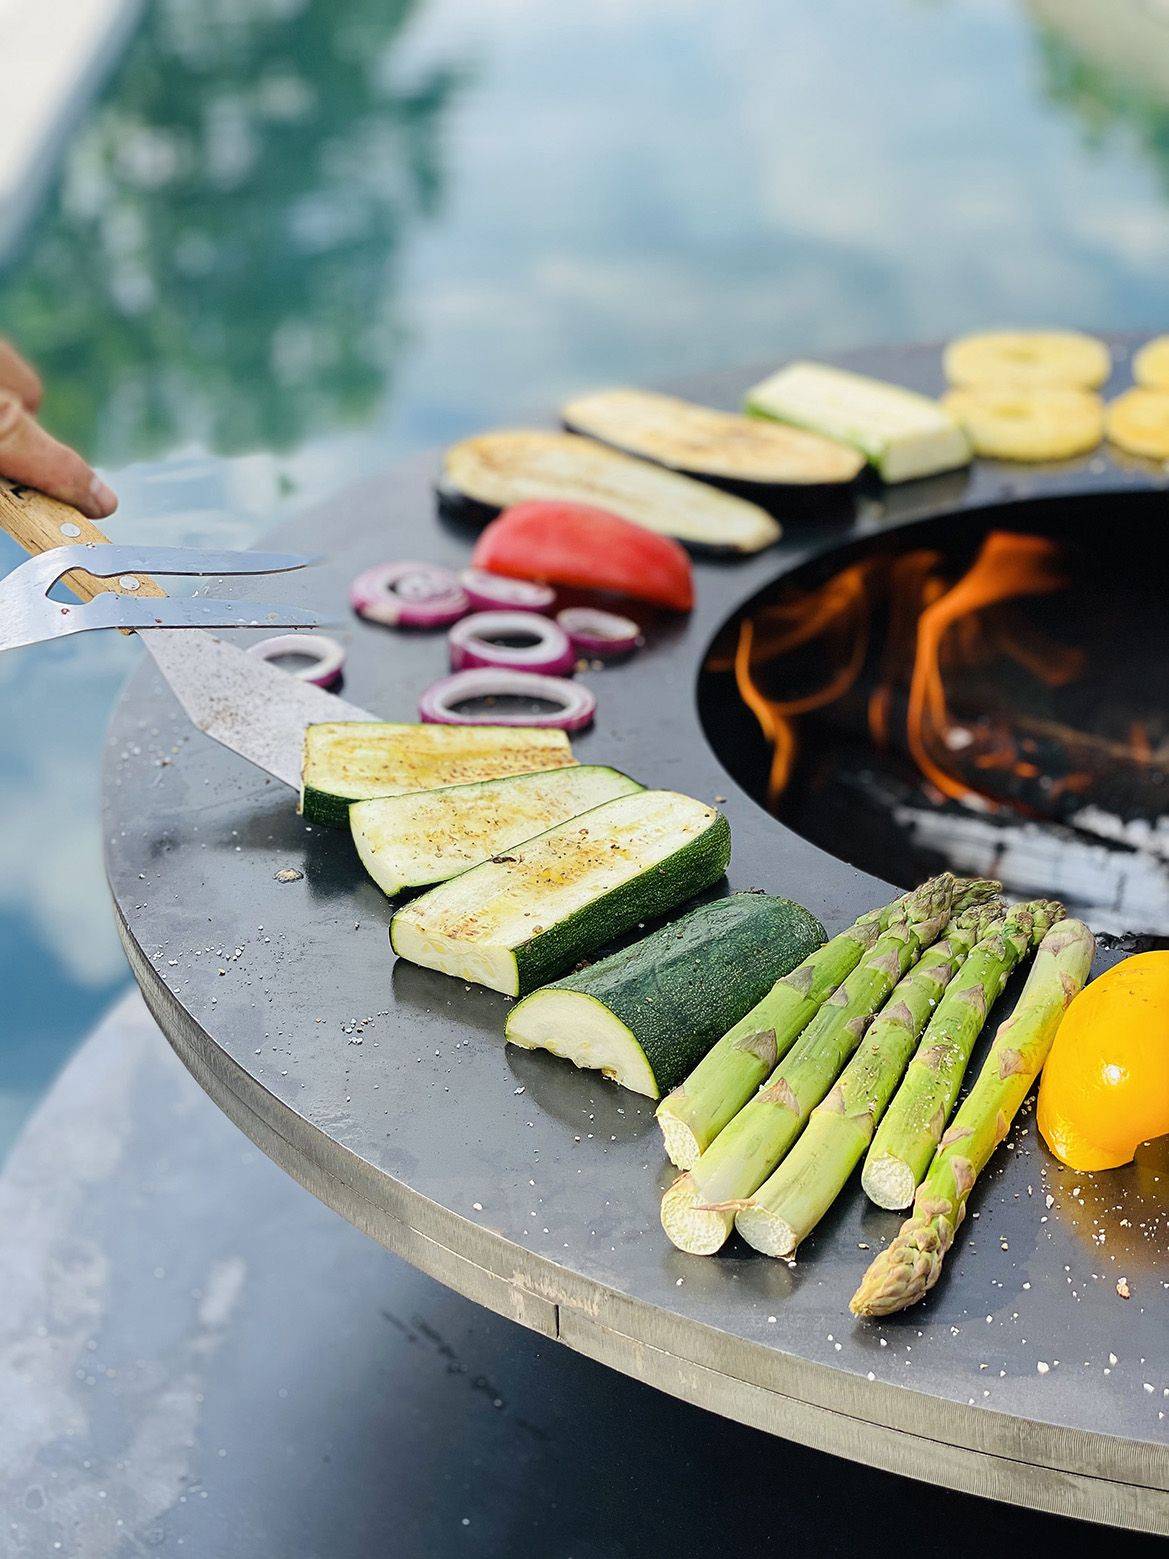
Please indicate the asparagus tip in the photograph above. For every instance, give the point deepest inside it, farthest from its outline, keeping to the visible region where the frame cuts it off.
(907, 1270)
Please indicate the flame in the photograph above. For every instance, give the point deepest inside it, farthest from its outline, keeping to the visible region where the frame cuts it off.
(1007, 566)
(837, 610)
(937, 630)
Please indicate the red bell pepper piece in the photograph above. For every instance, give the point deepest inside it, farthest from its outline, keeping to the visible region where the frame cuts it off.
(575, 544)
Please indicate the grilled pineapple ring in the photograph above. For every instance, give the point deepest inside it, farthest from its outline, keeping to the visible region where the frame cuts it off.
(1056, 359)
(1009, 424)
(1138, 421)
(1150, 366)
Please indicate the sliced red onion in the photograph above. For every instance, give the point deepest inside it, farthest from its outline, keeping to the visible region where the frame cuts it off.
(473, 643)
(493, 592)
(326, 655)
(409, 595)
(594, 632)
(576, 705)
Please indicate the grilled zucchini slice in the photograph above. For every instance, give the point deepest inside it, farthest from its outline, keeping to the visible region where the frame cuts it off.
(534, 911)
(431, 835)
(483, 475)
(716, 446)
(355, 760)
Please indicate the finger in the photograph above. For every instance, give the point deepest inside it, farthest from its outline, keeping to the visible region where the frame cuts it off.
(17, 376)
(30, 455)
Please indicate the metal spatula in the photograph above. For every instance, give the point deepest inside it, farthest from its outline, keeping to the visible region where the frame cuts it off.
(247, 704)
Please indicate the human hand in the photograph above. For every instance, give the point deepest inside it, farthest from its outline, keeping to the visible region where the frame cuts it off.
(33, 457)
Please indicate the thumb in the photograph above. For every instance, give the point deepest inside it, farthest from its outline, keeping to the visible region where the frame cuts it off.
(31, 456)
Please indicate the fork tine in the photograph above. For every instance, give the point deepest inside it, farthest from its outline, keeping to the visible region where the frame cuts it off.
(107, 560)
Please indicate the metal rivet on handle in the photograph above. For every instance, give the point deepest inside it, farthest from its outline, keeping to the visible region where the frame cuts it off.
(128, 582)
(69, 529)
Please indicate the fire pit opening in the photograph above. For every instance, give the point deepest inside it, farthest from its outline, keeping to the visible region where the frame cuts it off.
(987, 692)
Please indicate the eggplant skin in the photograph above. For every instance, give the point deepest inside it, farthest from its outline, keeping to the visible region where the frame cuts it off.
(493, 471)
(737, 453)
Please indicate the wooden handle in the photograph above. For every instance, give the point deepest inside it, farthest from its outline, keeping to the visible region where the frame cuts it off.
(39, 524)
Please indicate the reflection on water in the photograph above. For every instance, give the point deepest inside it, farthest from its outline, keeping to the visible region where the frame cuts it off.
(219, 261)
(345, 228)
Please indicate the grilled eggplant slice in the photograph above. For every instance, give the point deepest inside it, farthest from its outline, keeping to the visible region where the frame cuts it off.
(483, 475)
(742, 453)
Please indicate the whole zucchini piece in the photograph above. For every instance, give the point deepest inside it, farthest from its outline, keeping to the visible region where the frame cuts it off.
(355, 760)
(430, 836)
(531, 913)
(494, 471)
(746, 455)
(645, 1016)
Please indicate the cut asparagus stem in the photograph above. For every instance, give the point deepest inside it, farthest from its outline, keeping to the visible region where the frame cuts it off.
(726, 1077)
(723, 1081)
(699, 1208)
(909, 1268)
(790, 1204)
(912, 1128)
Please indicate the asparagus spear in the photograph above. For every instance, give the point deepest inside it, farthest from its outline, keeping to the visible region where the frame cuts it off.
(789, 1204)
(722, 1082)
(698, 1209)
(909, 1134)
(909, 1268)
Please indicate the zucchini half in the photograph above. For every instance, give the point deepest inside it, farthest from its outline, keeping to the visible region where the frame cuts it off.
(355, 760)
(745, 454)
(414, 840)
(645, 1016)
(903, 434)
(481, 476)
(531, 913)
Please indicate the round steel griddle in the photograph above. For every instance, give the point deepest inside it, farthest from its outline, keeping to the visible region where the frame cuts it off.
(532, 1188)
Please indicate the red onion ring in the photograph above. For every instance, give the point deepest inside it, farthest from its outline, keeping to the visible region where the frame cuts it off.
(328, 657)
(576, 704)
(472, 643)
(409, 595)
(593, 632)
(494, 592)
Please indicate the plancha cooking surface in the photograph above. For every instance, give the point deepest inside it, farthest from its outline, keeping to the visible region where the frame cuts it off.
(386, 1089)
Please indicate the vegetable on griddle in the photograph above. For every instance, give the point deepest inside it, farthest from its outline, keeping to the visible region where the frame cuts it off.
(906, 1271)
(573, 706)
(791, 1202)
(699, 1209)
(727, 448)
(577, 545)
(429, 836)
(494, 471)
(529, 915)
(903, 434)
(908, 1136)
(514, 641)
(645, 1015)
(354, 760)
